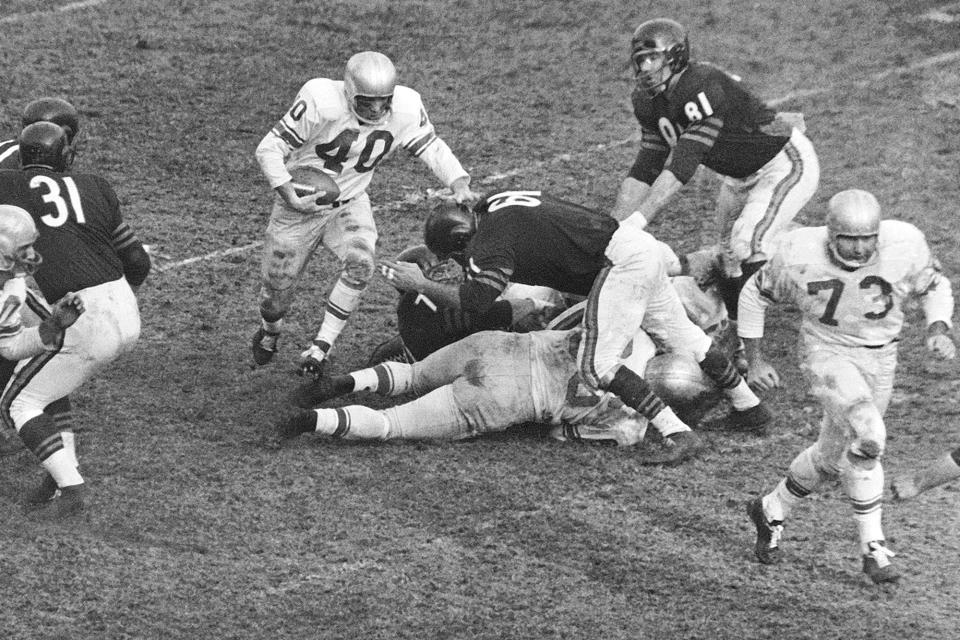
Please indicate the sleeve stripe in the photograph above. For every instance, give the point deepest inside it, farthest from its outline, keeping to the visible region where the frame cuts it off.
(417, 146)
(10, 330)
(495, 279)
(653, 146)
(285, 133)
(701, 138)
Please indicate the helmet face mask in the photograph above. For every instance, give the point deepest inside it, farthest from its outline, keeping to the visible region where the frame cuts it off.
(659, 50)
(853, 228)
(45, 144)
(368, 82)
(17, 235)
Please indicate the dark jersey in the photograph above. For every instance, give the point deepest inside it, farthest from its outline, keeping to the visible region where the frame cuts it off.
(9, 154)
(708, 117)
(533, 238)
(78, 217)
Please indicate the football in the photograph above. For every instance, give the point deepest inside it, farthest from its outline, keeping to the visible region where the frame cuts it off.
(307, 180)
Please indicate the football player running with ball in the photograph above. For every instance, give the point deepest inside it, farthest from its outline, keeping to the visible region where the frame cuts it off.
(337, 131)
(850, 280)
(693, 113)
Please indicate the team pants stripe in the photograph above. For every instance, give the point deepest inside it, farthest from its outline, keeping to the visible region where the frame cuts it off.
(591, 330)
(780, 194)
(20, 380)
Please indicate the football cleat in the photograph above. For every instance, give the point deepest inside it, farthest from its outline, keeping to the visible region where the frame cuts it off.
(680, 447)
(71, 501)
(392, 350)
(753, 420)
(310, 394)
(767, 546)
(876, 564)
(264, 346)
(312, 362)
(68, 504)
(297, 423)
(10, 442)
(43, 493)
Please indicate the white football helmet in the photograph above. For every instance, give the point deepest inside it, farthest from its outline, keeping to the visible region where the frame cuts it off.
(853, 213)
(369, 81)
(17, 235)
(678, 380)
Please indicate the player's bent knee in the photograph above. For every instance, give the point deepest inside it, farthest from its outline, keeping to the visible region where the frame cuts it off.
(358, 265)
(867, 423)
(864, 453)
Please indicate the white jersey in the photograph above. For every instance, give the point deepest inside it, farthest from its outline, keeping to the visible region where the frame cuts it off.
(321, 132)
(559, 393)
(19, 339)
(861, 307)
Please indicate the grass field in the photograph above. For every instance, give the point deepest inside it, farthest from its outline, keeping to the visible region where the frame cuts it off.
(201, 526)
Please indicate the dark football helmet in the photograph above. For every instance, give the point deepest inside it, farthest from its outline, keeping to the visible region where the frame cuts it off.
(44, 144)
(448, 231)
(54, 110)
(369, 81)
(17, 235)
(659, 50)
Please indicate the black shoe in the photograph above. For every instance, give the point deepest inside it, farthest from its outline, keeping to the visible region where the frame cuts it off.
(753, 420)
(393, 350)
(71, 501)
(876, 564)
(680, 447)
(264, 345)
(767, 546)
(297, 423)
(10, 442)
(310, 394)
(313, 362)
(46, 491)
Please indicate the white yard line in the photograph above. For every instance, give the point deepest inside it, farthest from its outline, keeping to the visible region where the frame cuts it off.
(943, 58)
(73, 6)
(793, 95)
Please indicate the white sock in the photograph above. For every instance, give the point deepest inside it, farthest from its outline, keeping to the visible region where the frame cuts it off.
(61, 466)
(353, 423)
(70, 445)
(742, 396)
(667, 423)
(342, 301)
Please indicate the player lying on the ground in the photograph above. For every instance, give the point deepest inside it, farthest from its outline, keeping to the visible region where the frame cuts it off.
(492, 380)
(935, 473)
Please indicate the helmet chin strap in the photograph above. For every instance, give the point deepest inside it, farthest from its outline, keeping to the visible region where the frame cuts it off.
(847, 263)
